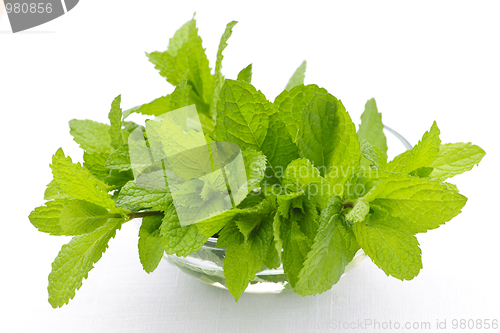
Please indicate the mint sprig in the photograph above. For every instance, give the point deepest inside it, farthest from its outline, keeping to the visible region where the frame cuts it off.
(317, 190)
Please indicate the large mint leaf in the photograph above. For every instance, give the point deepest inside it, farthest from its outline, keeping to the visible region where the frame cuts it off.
(422, 204)
(422, 155)
(150, 245)
(243, 260)
(243, 115)
(246, 118)
(454, 159)
(390, 245)
(81, 217)
(371, 128)
(92, 136)
(115, 118)
(78, 183)
(333, 248)
(297, 77)
(291, 103)
(327, 137)
(219, 79)
(75, 260)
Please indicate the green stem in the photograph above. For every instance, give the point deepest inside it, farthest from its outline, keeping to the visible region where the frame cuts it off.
(142, 214)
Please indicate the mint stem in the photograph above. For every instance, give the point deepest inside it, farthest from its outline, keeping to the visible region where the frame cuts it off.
(144, 214)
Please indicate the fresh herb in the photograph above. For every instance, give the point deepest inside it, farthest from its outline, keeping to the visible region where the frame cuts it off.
(317, 190)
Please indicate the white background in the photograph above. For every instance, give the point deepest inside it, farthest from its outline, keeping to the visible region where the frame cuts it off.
(422, 61)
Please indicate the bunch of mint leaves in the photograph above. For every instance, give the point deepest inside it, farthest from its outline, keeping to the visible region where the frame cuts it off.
(319, 190)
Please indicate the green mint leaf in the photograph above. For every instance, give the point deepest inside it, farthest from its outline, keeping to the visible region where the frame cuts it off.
(454, 159)
(278, 147)
(219, 79)
(359, 211)
(301, 175)
(252, 200)
(422, 155)
(283, 213)
(243, 115)
(115, 118)
(273, 257)
(247, 223)
(46, 218)
(422, 172)
(119, 159)
(422, 204)
(81, 217)
(186, 53)
(129, 126)
(333, 248)
(296, 246)
(295, 228)
(230, 235)
(246, 118)
(371, 128)
(359, 184)
(255, 168)
(327, 137)
(177, 239)
(243, 260)
(92, 136)
(156, 107)
(54, 191)
(306, 212)
(245, 74)
(117, 179)
(154, 194)
(75, 260)
(150, 245)
(212, 225)
(373, 156)
(291, 103)
(180, 96)
(250, 218)
(96, 164)
(297, 77)
(390, 245)
(78, 183)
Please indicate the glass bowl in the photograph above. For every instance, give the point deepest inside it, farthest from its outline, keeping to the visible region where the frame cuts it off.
(207, 264)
